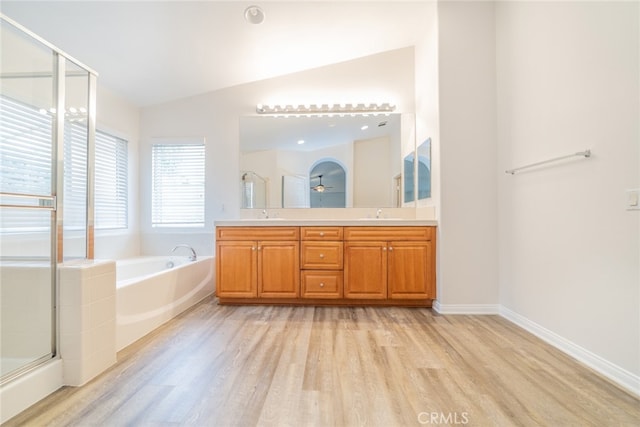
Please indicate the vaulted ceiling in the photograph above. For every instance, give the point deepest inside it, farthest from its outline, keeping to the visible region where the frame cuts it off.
(155, 51)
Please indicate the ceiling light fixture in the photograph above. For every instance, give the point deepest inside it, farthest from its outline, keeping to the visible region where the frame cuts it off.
(254, 14)
(326, 109)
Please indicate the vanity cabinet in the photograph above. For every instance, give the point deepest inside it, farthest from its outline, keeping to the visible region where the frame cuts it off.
(257, 262)
(333, 265)
(389, 263)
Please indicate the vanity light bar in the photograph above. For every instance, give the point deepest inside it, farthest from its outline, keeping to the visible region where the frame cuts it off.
(326, 109)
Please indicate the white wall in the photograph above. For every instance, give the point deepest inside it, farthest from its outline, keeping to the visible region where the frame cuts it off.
(568, 80)
(215, 115)
(428, 104)
(467, 149)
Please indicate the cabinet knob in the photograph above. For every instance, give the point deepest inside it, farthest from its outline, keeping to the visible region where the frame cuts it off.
(253, 248)
(321, 284)
(259, 248)
(321, 255)
(322, 234)
(384, 248)
(390, 248)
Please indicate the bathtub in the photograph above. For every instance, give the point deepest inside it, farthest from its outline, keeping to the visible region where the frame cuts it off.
(152, 290)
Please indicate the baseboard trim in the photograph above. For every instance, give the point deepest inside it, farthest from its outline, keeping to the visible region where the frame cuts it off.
(465, 308)
(615, 373)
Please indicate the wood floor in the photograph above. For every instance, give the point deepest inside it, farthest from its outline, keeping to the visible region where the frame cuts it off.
(338, 366)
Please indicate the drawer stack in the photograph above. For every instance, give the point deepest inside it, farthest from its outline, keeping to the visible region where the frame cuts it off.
(321, 262)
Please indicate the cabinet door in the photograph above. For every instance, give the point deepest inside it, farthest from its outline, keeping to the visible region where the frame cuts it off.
(236, 269)
(365, 270)
(411, 275)
(278, 269)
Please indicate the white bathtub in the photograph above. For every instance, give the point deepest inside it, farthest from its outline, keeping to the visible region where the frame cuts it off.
(150, 292)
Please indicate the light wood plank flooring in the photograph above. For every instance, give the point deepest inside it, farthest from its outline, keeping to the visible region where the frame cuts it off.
(338, 366)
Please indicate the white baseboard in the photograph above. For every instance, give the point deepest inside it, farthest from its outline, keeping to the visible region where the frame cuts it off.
(465, 308)
(620, 376)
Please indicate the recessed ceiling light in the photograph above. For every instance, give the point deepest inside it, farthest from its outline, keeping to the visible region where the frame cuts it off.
(365, 127)
(254, 14)
(300, 141)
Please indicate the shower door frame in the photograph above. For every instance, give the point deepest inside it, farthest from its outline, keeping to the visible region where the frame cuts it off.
(54, 201)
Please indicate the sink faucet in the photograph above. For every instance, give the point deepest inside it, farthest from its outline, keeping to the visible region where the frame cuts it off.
(378, 213)
(192, 257)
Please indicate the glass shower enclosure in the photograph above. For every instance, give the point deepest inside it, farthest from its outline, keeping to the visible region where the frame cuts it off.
(47, 128)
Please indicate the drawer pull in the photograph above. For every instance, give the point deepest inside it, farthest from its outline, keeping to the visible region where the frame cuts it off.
(322, 234)
(322, 284)
(321, 255)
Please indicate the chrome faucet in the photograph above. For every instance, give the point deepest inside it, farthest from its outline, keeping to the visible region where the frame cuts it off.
(193, 255)
(378, 213)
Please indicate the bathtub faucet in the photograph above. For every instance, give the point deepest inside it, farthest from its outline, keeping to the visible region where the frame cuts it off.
(192, 257)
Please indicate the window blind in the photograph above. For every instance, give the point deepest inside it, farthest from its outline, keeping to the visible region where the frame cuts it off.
(178, 185)
(25, 167)
(25, 162)
(111, 182)
(75, 176)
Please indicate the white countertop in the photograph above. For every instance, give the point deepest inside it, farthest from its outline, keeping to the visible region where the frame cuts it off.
(364, 222)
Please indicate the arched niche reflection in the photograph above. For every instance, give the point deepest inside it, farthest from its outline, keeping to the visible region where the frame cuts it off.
(327, 189)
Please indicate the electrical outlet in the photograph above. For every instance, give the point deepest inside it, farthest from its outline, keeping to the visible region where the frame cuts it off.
(633, 199)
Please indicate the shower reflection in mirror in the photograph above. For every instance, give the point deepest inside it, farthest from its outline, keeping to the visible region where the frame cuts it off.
(255, 190)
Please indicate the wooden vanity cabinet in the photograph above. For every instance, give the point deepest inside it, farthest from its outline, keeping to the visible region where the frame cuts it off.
(389, 263)
(257, 262)
(332, 265)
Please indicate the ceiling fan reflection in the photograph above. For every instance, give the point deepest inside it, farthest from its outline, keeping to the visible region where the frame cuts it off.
(319, 188)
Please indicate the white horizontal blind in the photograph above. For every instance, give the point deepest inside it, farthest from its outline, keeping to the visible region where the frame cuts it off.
(178, 185)
(75, 176)
(111, 182)
(25, 161)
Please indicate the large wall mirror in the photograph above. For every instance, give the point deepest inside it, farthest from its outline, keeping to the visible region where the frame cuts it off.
(302, 162)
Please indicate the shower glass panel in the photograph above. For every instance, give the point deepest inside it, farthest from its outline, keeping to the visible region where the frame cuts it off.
(27, 216)
(75, 162)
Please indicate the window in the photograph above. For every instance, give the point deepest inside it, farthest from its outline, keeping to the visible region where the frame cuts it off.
(177, 195)
(111, 182)
(25, 167)
(25, 162)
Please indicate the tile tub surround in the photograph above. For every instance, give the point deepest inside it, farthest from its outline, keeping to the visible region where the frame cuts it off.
(87, 319)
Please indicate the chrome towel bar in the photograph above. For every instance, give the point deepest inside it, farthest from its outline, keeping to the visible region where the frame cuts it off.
(586, 153)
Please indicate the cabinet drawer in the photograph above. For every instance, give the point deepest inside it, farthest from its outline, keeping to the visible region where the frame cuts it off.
(321, 233)
(321, 284)
(321, 255)
(257, 233)
(388, 233)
